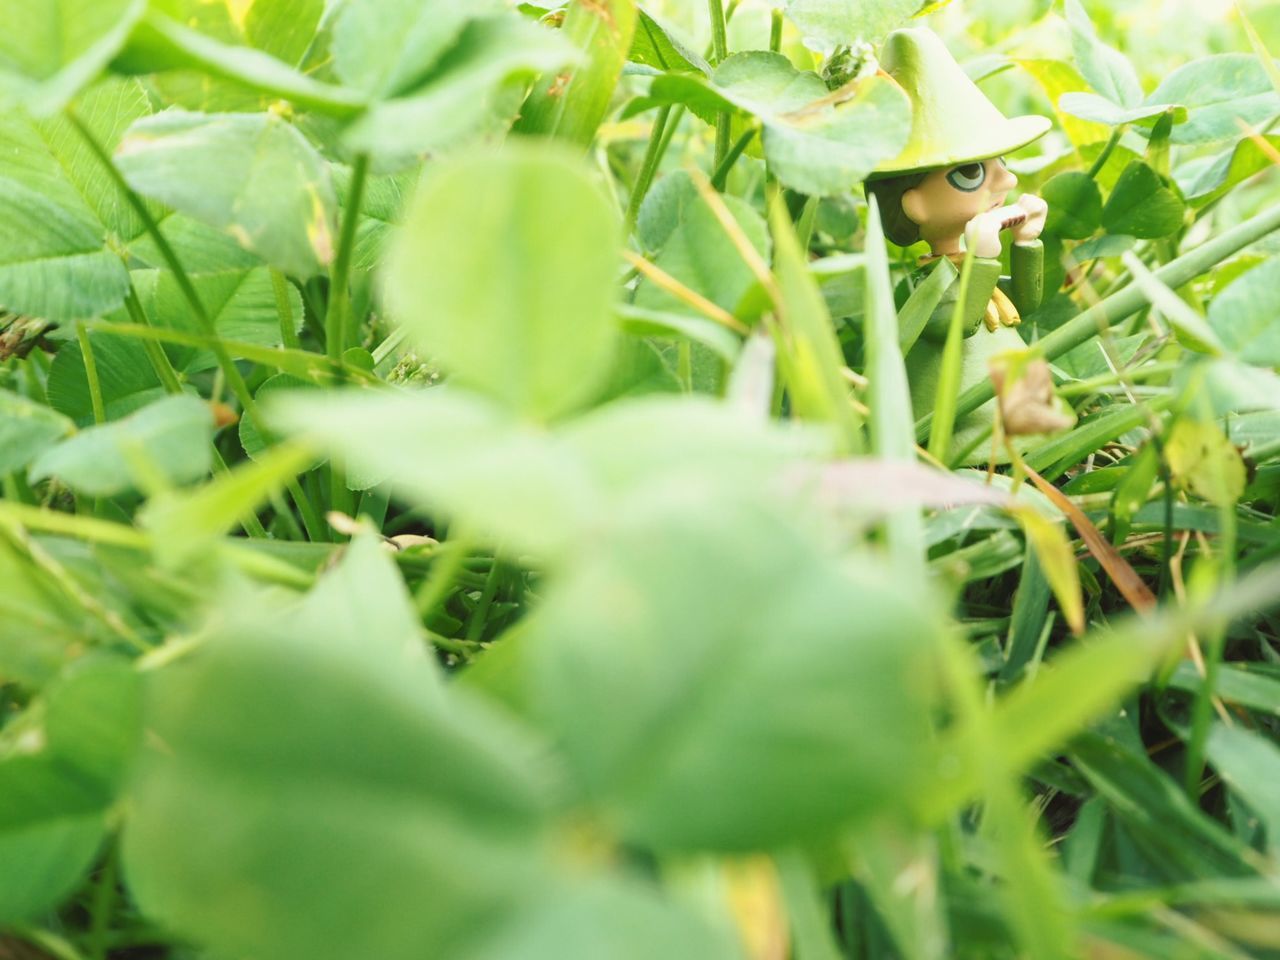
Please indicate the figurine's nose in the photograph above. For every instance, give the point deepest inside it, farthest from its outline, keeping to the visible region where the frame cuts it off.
(1004, 178)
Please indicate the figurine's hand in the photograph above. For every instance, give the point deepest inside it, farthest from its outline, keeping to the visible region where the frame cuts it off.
(1031, 228)
(982, 234)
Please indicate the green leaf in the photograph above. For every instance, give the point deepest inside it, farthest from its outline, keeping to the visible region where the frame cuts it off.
(654, 46)
(1088, 106)
(826, 151)
(52, 264)
(1244, 315)
(1141, 205)
(1166, 824)
(1206, 179)
(1106, 69)
(604, 917)
(527, 319)
(285, 29)
(1075, 205)
(62, 766)
(1218, 92)
(656, 694)
(186, 525)
(387, 49)
(527, 487)
(474, 92)
(125, 376)
(167, 442)
(1250, 766)
(833, 23)
(251, 175)
(162, 44)
(1204, 461)
(816, 143)
(571, 105)
(320, 774)
(241, 303)
(52, 49)
(699, 253)
(44, 863)
(27, 429)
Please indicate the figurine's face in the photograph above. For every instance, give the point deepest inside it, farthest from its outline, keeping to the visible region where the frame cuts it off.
(947, 199)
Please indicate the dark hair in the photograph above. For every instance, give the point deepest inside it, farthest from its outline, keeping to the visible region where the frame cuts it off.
(888, 192)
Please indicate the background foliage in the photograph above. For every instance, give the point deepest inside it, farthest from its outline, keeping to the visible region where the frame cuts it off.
(461, 497)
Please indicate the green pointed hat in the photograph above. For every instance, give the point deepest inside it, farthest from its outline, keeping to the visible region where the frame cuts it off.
(952, 120)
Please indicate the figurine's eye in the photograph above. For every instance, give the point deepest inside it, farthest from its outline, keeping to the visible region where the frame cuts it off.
(968, 177)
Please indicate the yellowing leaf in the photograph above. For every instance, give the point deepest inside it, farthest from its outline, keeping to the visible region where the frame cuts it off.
(1057, 560)
(1205, 462)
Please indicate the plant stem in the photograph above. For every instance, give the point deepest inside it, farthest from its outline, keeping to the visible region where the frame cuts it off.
(335, 322)
(649, 168)
(104, 895)
(155, 353)
(189, 292)
(775, 32)
(1110, 146)
(91, 375)
(721, 175)
(720, 50)
(284, 309)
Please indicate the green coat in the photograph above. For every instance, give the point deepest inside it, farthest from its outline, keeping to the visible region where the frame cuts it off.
(1025, 287)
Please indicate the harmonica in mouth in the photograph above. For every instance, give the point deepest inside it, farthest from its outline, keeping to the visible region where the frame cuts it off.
(1012, 216)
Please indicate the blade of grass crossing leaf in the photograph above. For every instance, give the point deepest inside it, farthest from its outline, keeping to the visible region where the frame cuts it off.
(892, 437)
(944, 417)
(186, 524)
(571, 105)
(1118, 568)
(1057, 561)
(1260, 48)
(809, 353)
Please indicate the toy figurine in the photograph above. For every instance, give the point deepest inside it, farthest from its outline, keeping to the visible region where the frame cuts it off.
(949, 183)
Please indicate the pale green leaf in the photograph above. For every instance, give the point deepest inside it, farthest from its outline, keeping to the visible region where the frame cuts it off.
(251, 175)
(167, 442)
(504, 273)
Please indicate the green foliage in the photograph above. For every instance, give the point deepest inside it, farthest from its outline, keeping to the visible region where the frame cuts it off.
(615, 643)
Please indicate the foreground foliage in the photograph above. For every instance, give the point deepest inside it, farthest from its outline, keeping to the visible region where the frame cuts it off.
(461, 497)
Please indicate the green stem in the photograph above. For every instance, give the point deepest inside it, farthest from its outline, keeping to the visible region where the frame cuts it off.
(649, 168)
(720, 50)
(284, 310)
(719, 37)
(335, 323)
(480, 619)
(249, 522)
(445, 567)
(721, 176)
(1111, 310)
(91, 375)
(187, 288)
(775, 32)
(1112, 142)
(155, 353)
(310, 518)
(104, 895)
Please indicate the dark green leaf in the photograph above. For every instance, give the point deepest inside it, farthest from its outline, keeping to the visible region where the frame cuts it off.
(1141, 205)
(1075, 205)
